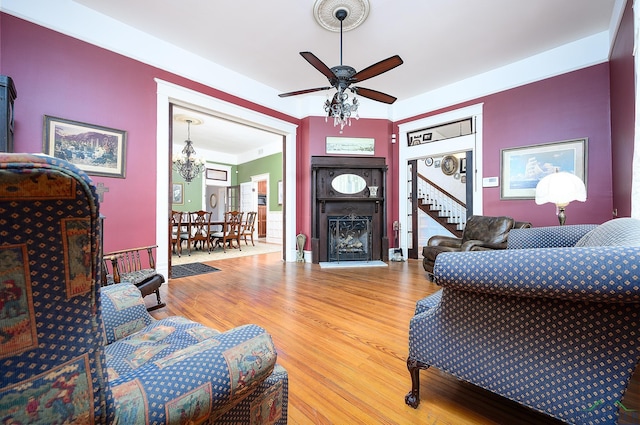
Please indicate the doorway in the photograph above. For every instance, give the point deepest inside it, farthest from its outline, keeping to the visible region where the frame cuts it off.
(410, 153)
(170, 93)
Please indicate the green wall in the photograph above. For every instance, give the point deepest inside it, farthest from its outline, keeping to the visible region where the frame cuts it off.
(193, 191)
(271, 165)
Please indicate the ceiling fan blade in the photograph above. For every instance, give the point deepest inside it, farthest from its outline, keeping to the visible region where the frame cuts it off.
(374, 94)
(318, 64)
(295, 93)
(378, 68)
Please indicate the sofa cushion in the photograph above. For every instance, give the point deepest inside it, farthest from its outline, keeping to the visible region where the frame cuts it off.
(617, 232)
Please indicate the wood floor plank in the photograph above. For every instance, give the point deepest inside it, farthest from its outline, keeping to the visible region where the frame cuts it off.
(342, 335)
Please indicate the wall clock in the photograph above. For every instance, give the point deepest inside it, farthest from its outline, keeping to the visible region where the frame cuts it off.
(449, 165)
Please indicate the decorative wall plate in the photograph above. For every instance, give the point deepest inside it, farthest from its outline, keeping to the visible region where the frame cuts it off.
(213, 200)
(428, 162)
(449, 165)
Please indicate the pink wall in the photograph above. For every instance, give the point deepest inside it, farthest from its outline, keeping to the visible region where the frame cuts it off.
(313, 132)
(60, 76)
(570, 106)
(623, 113)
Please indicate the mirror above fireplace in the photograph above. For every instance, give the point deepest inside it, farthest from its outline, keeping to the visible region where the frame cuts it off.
(348, 184)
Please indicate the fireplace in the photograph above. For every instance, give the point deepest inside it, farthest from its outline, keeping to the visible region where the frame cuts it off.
(349, 238)
(348, 219)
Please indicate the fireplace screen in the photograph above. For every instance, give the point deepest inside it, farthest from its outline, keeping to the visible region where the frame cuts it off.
(349, 238)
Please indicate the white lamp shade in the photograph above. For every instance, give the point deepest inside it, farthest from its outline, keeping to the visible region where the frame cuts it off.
(560, 188)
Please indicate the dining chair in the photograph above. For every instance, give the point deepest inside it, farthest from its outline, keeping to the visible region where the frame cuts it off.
(230, 231)
(201, 229)
(179, 231)
(248, 227)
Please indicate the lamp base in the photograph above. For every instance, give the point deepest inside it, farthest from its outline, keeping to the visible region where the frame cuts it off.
(561, 216)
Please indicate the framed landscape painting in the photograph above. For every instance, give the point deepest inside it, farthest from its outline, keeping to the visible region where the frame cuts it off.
(522, 168)
(350, 145)
(97, 150)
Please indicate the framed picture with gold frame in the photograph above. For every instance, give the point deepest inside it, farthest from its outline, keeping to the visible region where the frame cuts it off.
(97, 150)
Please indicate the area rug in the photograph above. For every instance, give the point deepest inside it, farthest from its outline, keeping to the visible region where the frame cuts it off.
(346, 264)
(191, 269)
(198, 256)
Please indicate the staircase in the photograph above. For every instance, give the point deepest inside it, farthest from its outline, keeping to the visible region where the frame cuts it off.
(441, 206)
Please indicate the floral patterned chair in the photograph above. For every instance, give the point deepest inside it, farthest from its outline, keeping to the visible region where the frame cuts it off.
(72, 352)
(552, 322)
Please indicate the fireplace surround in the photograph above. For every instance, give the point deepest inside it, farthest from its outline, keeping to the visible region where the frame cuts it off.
(348, 218)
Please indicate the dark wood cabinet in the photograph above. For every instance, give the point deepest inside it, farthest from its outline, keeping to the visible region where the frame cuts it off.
(7, 96)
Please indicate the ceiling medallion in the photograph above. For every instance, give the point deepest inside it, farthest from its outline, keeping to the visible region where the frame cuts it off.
(325, 13)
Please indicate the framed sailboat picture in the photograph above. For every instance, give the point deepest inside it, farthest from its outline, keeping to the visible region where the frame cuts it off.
(522, 168)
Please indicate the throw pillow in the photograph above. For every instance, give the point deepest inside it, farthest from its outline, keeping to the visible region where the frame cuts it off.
(617, 232)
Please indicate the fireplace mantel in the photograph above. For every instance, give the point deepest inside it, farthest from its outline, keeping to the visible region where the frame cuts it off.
(367, 199)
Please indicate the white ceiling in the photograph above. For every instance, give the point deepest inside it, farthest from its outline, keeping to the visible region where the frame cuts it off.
(440, 41)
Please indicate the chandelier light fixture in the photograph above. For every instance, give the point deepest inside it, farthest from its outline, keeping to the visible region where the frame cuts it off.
(186, 164)
(345, 15)
(340, 109)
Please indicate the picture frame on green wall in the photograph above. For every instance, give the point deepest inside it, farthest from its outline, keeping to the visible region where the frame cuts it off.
(95, 149)
(177, 194)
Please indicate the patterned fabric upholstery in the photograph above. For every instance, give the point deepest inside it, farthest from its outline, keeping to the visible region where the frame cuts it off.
(555, 329)
(123, 311)
(135, 277)
(51, 347)
(72, 352)
(175, 369)
(547, 237)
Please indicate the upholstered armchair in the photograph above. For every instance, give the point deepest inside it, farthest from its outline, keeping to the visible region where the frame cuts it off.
(480, 233)
(552, 322)
(72, 352)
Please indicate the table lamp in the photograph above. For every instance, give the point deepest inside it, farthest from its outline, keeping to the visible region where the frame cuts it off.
(560, 188)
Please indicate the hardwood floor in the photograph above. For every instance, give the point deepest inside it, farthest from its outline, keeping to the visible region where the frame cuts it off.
(342, 336)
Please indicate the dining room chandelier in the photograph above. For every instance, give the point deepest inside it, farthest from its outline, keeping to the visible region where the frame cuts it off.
(187, 164)
(340, 109)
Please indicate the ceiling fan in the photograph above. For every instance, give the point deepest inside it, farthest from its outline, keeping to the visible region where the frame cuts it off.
(342, 76)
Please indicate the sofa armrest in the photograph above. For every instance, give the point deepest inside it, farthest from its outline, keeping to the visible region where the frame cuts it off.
(123, 311)
(597, 274)
(215, 370)
(447, 241)
(547, 237)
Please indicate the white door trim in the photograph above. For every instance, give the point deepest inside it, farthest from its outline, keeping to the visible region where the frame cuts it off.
(406, 153)
(171, 93)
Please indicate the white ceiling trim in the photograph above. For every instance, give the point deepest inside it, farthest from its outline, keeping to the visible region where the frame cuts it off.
(73, 19)
(570, 57)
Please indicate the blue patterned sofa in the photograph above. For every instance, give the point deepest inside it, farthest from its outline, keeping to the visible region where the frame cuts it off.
(552, 322)
(72, 352)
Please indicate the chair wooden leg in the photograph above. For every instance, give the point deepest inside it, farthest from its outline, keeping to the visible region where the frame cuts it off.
(159, 303)
(413, 397)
